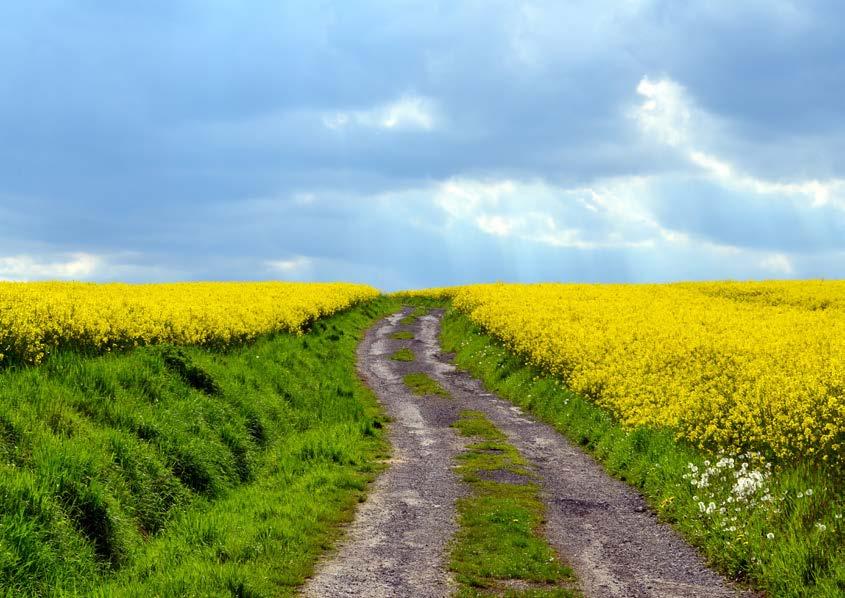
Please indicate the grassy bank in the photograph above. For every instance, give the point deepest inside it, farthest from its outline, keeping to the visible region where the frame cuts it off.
(777, 526)
(184, 471)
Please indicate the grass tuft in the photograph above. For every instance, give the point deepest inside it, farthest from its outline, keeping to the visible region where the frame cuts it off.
(403, 355)
(423, 384)
(403, 335)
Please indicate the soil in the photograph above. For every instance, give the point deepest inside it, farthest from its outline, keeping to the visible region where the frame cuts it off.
(398, 543)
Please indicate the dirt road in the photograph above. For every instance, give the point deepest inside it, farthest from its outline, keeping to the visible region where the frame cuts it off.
(397, 545)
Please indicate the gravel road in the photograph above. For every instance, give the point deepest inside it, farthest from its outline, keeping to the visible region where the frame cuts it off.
(398, 542)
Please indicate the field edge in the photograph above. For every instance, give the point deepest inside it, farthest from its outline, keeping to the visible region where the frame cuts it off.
(296, 438)
(652, 461)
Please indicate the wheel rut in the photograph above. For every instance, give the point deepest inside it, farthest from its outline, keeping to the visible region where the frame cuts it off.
(398, 542)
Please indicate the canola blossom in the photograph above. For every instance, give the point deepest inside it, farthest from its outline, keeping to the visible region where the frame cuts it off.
(38, 318)
(738, 366)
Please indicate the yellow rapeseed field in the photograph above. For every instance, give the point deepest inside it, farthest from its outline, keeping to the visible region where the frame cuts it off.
(37, 318)
(750, 366)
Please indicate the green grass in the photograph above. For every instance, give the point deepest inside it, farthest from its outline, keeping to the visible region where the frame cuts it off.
(403, 355)
(423, 384)
(800, 559)
(426, 303)
(500, 524)
(403, 335)
(415, 315)
(182, 471)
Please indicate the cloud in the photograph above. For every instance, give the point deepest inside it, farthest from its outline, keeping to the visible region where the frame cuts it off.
(667, 115)
(304, 199)
(77, 266)
(408, 113)
(86, 266)
(519, 142)
(460, 198)
(607, 215)
(501, 226)
(778, 263)
(664, 115)
(296, 267)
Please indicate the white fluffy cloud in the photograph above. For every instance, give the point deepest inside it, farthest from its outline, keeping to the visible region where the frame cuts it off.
(778, 263)
(620, 213)
(76, 266)
(664, 114)
(410, 112)
(667, 115)
(296, 267)
(498, 225)
(85, 266)
(604, 216)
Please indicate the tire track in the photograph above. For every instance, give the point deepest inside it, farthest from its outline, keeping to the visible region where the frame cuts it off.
(397, 544)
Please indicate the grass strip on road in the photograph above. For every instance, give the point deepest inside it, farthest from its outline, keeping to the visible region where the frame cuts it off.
(403, 355)
(424, 385)
(499, 548)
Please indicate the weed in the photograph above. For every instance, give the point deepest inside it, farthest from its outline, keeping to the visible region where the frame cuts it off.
(423, 384)
(403, 355)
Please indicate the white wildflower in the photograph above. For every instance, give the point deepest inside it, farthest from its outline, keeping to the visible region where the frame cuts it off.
(748, 483)
(725, 462)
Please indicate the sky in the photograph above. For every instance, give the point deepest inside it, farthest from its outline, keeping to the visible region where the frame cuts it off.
(410, 144)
